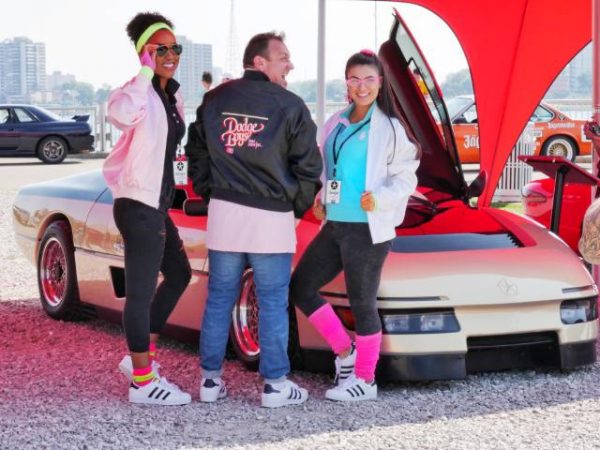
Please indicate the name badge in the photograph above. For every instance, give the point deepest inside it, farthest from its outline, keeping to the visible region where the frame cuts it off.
(180, 172)
(333, 193)
(180, 167)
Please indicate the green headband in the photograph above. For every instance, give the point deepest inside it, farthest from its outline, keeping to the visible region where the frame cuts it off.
(149, 32)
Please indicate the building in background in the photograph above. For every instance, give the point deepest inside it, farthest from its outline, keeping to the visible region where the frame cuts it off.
(580, 71)
(22, 70)
(196, 58)
(56, 79)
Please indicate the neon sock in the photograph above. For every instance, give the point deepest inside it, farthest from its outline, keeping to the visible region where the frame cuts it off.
(152, 352)
(141, 377)
(330, 327)
(367, 355)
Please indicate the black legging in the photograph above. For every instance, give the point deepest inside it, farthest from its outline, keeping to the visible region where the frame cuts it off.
(152, 244)
(342, 246)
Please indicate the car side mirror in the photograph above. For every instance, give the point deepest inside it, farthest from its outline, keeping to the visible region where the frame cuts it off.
(476, 187)
(195, 207)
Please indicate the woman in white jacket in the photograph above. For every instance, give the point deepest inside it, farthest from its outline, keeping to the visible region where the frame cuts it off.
(370, 174)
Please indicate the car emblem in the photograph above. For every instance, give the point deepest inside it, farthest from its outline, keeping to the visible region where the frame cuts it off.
(508, 287)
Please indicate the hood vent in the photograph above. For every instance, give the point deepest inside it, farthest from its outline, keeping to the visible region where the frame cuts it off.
(454, 242)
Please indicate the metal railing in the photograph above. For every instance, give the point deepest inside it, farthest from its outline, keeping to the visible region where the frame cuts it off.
(106, 135)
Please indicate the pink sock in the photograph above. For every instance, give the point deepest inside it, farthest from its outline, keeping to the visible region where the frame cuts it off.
(367, 355)
(152, 352)
(330, 327)
(141, 377)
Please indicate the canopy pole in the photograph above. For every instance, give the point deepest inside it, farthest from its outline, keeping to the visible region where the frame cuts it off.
(595, 102)
(321, 68)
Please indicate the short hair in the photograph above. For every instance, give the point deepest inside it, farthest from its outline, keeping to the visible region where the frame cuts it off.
(207, 77)
(258, 46)
(141, 21)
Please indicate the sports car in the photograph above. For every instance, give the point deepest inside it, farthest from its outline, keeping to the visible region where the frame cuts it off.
(555, 133)
(32, 130)
(464, 289)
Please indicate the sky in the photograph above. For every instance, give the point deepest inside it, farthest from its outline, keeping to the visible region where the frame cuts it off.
(87, 38)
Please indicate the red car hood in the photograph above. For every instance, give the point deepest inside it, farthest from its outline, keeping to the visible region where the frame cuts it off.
(514, 53)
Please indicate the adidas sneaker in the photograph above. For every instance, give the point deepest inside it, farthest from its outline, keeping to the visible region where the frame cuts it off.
(157, 392)
(353, 389)
(282, 394)
(212, 389)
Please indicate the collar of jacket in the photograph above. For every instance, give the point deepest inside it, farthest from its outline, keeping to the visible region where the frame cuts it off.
(255, 75)
(171, 87)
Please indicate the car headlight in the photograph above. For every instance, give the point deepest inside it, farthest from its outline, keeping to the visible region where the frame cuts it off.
(579, 311)
(420, 321)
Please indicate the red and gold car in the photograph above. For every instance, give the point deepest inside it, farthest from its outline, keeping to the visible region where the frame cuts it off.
(556, 134)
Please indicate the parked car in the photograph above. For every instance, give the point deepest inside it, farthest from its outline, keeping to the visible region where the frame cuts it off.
(537, 198)
(555, 133)
(32, 130)
(463, 289)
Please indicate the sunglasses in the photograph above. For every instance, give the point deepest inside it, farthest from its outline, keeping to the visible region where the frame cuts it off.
(369, 82)
(162, 50)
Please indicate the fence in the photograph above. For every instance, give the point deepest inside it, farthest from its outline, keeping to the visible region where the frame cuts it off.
(106, 135)
(516, 174)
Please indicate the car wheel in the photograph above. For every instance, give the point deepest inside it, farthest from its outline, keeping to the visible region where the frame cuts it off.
(57, 278)
(52, 150)
(560, 146)
(244, 325)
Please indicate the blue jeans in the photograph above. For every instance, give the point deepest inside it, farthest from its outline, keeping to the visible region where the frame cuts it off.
(272, 277)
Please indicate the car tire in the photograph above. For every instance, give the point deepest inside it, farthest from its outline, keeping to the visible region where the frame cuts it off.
(243, 333)
(56, 274)
(244, 328)
(52, 150)
(560, 146)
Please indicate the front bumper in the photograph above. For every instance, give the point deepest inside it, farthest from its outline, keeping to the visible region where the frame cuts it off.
(538, 353)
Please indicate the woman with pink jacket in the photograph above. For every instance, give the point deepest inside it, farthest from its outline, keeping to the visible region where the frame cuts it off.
(142, 171)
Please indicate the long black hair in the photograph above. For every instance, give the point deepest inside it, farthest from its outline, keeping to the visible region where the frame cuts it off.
(385, 99)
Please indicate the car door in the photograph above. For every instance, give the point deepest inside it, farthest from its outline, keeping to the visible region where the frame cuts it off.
(9, 138)
(466, 134)
(27, 129)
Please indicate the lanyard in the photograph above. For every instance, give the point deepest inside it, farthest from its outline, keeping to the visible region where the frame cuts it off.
(336, 155)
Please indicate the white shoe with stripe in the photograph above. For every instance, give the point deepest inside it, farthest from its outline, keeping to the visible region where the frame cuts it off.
(157, 392)
(282, 394)
(212, 389)
(353, 390)
(344, 367)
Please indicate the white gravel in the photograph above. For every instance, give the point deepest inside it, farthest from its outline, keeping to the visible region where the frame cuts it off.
(60, 389)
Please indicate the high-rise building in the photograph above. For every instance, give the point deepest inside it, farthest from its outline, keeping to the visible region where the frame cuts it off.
(580, 71)
(196, 58)
(22, 69)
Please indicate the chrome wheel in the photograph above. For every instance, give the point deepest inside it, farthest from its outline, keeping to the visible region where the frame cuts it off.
(53, 272)
(52, 150)
(245, 321)
(560, 146)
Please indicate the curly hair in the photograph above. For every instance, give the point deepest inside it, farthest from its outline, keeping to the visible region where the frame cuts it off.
(139, 24)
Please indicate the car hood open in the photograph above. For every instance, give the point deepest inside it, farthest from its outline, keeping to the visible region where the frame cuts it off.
(513, 57)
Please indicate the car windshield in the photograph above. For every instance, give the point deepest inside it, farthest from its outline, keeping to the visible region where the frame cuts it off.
(456, 104)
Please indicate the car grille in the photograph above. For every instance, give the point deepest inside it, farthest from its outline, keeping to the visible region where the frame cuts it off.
(486, 353)
(454, 242)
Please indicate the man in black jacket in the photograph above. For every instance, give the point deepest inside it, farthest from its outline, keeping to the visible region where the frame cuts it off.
(253, 152)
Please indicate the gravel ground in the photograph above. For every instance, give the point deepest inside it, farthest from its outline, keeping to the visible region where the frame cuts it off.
(60, 389)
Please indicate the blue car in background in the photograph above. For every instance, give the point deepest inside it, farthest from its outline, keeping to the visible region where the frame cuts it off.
(31, 130)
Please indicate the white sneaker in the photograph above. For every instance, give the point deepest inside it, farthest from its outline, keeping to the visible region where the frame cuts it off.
(126, 367)
(157, 392)
(282, 394)
(344, 367)
(212, 389)
(353, 390)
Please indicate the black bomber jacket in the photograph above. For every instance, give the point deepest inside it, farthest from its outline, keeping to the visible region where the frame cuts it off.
(254, 143)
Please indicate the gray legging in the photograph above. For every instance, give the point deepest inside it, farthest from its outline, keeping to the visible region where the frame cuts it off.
(152, 244)
(342, 246)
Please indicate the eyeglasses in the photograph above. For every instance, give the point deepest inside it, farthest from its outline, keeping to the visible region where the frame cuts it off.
(369, 82)
(161, 50)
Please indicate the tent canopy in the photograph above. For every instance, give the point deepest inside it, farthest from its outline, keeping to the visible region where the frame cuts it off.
(515, 49)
